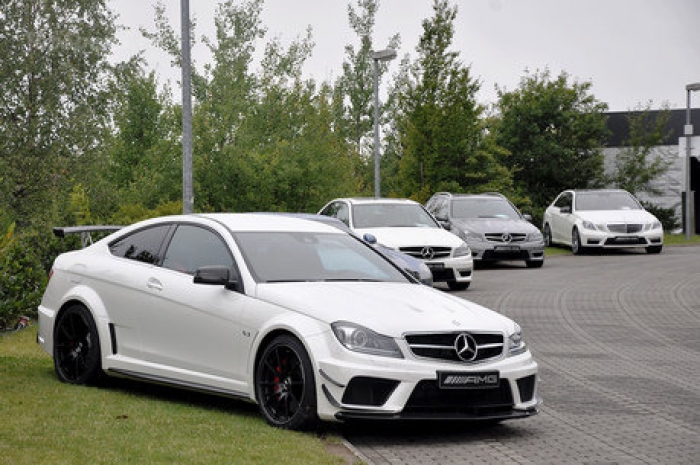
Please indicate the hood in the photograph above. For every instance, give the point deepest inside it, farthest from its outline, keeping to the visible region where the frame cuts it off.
(391, 309)
(494, 225)
(617, 216)
(416, 237)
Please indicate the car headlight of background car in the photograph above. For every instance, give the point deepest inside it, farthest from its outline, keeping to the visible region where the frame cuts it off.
(360, 339)
(535, 237)
(589, 225)
(473, 236)
(462, 250)
(516, 344)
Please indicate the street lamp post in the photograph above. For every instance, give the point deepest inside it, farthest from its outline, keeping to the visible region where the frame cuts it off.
(688, 130)
(381, 55)
(187, 189)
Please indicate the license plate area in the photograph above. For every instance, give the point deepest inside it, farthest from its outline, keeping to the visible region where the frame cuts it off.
(507, 248)
(436, 266)
(468, 380)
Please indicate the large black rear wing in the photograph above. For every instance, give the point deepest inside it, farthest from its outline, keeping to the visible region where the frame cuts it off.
(84, 231)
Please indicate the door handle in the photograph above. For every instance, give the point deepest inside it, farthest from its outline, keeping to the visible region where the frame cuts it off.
(154, 284)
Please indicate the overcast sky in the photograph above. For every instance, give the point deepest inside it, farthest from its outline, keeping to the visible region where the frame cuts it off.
(633, 51)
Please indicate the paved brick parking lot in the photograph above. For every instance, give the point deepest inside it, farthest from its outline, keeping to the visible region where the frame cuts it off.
(617, 337)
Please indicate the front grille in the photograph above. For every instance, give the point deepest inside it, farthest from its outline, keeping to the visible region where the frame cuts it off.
(625, 228)
(442, 346)
(425, 252)
(505, 238)
(427, 397)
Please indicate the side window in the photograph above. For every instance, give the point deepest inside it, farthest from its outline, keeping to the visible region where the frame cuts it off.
(442, 209)
(342, 213)
(142, 245)
(192, 247)
(337, 210)
(564, 200)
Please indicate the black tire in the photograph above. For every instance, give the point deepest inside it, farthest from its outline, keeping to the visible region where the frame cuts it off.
(458, 285)
(547, 236)
(284, 385)
(576, 246)
(534, 263)
(654, 249)
(76, 347)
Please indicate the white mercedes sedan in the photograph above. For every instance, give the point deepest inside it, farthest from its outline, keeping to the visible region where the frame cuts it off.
(309, 322)
(601, 218)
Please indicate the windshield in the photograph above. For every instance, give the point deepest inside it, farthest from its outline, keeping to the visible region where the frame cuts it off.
(388, 215)
(310, 256)
(483, 208)
(606, 201)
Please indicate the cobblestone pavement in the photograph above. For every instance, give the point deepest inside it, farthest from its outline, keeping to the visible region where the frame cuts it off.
(617, 338)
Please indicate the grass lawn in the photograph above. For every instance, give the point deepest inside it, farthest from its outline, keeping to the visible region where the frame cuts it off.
(44, 421)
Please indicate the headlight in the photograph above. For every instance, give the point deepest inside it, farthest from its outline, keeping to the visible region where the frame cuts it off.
(656, 225)
(589, 225)
(535, 237)
(473, 236)
(360, 339)
(462, 250)
(516, 344)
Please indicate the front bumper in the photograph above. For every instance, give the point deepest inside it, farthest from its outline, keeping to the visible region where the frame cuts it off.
(489, 251)
(355, 386)
(452, 269)
(610, 240)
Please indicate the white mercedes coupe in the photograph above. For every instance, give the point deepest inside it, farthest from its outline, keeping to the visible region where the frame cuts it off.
(309, 322)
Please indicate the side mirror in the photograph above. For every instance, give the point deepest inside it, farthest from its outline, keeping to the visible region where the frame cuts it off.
(215, 275)
(528, 217)
(566, 209)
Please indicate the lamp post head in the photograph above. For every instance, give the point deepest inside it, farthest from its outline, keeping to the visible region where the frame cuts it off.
(693, 87)
(386, 55)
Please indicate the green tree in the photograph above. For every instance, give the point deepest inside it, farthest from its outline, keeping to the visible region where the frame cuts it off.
(145, 151)
(439, 122)
(356, 85)
(553, 131)
(53, 102)
(641, 161)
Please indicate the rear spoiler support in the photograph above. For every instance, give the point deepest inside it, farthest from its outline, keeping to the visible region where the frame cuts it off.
(84, 231)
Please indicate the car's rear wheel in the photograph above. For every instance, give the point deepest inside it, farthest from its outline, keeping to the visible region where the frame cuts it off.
(547, 236)
(654, 249)
(284, 385)
(576, 246)
(458, 286)
(76, 350)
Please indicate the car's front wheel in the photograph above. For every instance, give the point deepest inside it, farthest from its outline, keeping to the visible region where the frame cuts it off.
(534, 263)
(76, 350)
(576, 246)
(654, 249)
(284, 385)
(547, 236)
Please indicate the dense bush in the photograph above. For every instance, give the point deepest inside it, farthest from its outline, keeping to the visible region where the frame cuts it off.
(667, 216)
(22, 281)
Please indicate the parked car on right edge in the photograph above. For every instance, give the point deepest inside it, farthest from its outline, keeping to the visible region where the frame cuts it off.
(492, 226)
(601, 218)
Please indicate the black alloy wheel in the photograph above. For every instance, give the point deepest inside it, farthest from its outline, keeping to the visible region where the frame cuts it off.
(284, 385)
(76, 349)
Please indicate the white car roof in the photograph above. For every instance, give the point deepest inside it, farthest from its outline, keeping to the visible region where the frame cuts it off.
(247, 222)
